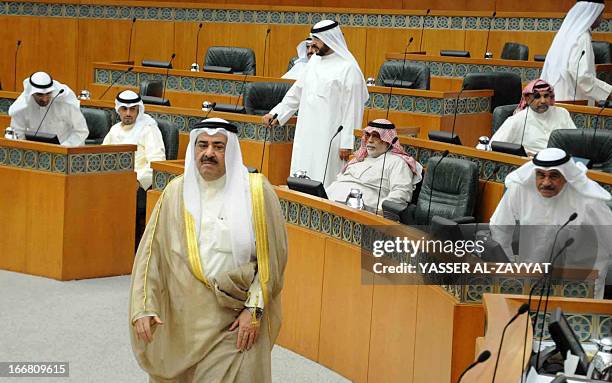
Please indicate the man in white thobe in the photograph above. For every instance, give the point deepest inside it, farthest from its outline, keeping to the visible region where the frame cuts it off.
(570, 61)
(137, 128)
(542, 196)
(305, 50)
(330, 93)
(534, 119)
(48, 106)
(400, 175)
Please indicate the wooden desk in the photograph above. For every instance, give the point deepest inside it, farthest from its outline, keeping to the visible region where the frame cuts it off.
(589, 318)
(251, 133)
(429, 110)
(68, 213)
(447, 73)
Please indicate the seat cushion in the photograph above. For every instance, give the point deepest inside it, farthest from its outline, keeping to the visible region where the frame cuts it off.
(507, 86)
(416, 73)
(170, 136)
(455, 189)
(99, 122)
(595, 145)
(241, 60)
(515, 51)
(261, 97)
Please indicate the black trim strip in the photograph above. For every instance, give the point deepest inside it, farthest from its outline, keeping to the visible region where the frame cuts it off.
(45, 86)
(548, 164)
(381, 125)
(325, 28)
(216, 125)
(126, 101)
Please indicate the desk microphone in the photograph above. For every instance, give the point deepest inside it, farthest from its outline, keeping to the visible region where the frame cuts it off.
(48, 109)
(115, 81)
(452, 136)
(265, 138)
(195, 60)
(167, 73)
(401, 77)
(543, 278)
(329, 149)
(597, 123)
(242, 84)
(265, 51)
(423, 30)
(382, 172)
(483, 357)
(212, 107)
(130, 43)
(525, 123)
(15, 69)
(577, 67)
(489, 34)
(522, 310)
(433, 177)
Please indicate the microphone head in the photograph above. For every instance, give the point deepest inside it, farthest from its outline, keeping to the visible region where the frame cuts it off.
(569, 242)
(496, 169)
(130, 69)
(133, 20)
(486, 354)
(411, 38)
(212, 106)
(268, 31)
(339, 129)
(18, 42)
(60, 91)
(394, 140)
(275, 116)
(428, 10)
(523, 309)
(573, 217)
(173, 55)
(200, 26)
(583, 52)
(445, 153)
(494, 13)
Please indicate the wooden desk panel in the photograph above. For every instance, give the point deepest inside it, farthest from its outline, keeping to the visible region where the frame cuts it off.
(70, 211)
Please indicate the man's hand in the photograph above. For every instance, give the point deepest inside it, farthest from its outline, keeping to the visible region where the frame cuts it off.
(269, 121)
(345, 154)
(247, 331)
(145, 327)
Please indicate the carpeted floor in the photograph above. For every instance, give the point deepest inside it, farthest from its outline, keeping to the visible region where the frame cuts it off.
(84, 323)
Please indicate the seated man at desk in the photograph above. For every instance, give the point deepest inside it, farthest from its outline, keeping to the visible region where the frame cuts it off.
(542, 196)
(137, 128)
(400, 175)
(48, 106)
(534, 119)
(305, 49)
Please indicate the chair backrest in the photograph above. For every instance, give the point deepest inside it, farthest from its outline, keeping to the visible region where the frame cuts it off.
(515, 51)
(453, 191)
(153, 88)
(602, 51)
(260, 97)
(585, 143)
(507, 86)
(291, 62)
(170, 135)
(417, 73)
(99, 122)
(241, 60)
(500, 114)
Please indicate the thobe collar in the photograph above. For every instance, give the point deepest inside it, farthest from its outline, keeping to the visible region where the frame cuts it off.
(127, 128)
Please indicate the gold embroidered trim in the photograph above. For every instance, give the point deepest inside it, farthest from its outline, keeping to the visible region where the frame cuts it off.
(193, 251)
(261, 233)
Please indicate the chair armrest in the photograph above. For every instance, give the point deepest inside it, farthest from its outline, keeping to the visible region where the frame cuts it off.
(401, 212)
(464, 220)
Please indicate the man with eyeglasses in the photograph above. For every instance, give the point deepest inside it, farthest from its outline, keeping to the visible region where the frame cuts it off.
(534, 119)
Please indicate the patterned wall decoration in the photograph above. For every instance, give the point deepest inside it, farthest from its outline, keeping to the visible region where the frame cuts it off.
(585, 325)
(428, 105)
(586, 121)
(239, 16)
(67, 164)
(448, 69)
(162, 179)
(378, 100)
